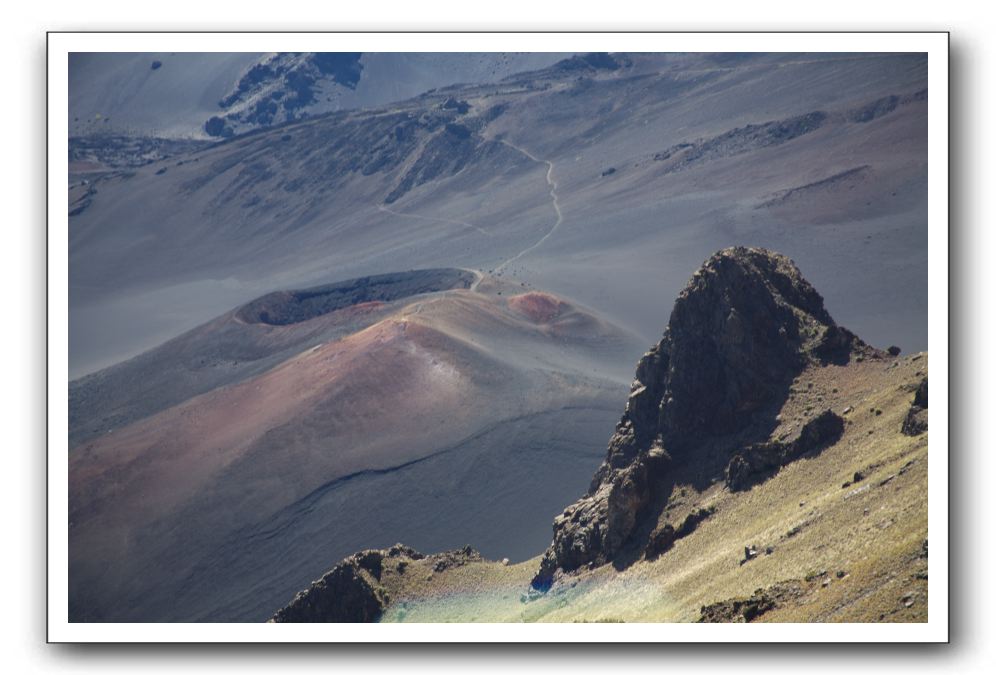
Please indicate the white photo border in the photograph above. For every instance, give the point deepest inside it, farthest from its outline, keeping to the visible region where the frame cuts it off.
(60, 44)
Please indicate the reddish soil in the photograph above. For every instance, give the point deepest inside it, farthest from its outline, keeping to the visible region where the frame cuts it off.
(537, 306)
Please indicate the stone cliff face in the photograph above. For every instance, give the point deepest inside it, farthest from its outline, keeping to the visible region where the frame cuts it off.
(743, 327)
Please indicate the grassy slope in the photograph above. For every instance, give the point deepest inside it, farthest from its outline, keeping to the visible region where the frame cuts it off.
(872, 532)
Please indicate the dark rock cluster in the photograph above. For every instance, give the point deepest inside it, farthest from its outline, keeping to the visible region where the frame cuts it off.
(740, 140)
(352, 592)
(458, 558)
(745, 325)
(745, 610)
(758, 461)
(349, 593)
(282, 308)
(279, 87)
(592, 62)
(915, 422)
(663, 538)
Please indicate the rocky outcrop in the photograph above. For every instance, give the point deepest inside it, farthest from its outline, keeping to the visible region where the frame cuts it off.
(352, 592)
(915, 422)
(349, 593)
(282, 308)
(662, 539)
(450, 559)
(758, 461)
(743, 327)
(745, 610)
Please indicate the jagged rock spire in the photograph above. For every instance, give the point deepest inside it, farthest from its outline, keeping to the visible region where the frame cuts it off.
(746, 323)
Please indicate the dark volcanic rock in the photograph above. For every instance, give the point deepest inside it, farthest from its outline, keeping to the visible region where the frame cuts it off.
(920, 398)
(349, 593)
(282, 308)
(592, 61)
(916, 419)
(663, 538)
(738, 332)
(759, 461)
(745, 610)
(742, 328)
(754, 463)
(458, 558)
(740, 140)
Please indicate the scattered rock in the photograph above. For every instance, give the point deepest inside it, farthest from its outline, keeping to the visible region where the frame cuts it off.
(461, 107)
(450, 559)
(745, 610)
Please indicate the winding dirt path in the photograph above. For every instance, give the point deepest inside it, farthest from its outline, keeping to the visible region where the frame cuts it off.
(553, 196)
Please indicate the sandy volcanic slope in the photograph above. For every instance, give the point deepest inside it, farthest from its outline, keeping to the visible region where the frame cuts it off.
(241, 343)
(319, 453)
(852, 551)
(415, 184)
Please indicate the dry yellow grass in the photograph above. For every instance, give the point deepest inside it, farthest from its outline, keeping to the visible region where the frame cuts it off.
(856, 551)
